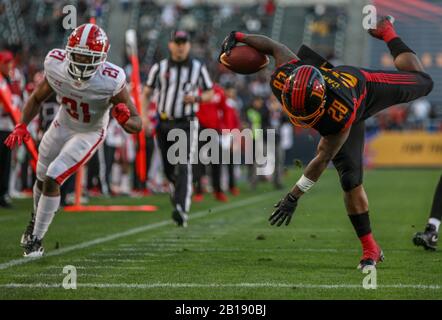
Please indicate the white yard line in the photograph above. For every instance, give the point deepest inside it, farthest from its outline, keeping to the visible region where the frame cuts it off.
(98, 267)
(218, 285)
(137, 230)
(111, 260)
(127, 254)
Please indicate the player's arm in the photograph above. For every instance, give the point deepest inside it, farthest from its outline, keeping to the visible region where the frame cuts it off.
(32, 105)
(263, 44)
(30, 110)
(206, 86)
(206, 96)
(328, 147)
(125, 112)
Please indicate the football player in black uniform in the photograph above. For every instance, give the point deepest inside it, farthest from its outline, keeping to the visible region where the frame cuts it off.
(336, 101)
(428, 238)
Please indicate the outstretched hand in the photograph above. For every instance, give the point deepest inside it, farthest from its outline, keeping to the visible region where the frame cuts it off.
(284, 210)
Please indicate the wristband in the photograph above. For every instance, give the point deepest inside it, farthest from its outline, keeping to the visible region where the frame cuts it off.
(304, 183)
(239, 36)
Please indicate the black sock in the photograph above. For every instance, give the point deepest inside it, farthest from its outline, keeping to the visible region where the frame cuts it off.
(361, 223)
(397, 46)
(436, 209)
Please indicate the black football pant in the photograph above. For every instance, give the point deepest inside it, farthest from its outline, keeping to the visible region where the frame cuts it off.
(383, 89)
(178, 173)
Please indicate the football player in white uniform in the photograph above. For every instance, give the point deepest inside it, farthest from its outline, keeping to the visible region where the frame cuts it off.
(86, 87)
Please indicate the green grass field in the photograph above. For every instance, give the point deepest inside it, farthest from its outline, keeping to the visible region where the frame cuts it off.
(229, 251)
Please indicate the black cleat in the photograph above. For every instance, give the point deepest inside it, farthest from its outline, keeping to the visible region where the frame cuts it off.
(427, 239)
(33, 248)
(180, 218)
(27, 235)
(5, 202)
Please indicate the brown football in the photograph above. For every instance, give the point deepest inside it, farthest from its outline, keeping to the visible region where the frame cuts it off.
(245, 60)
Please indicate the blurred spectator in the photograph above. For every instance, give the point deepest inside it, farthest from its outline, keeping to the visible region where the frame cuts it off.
(6, 127)
(270, 7)
(420, 111)
(211, 115)
(257, 116)
(230, 143)
(276, 120)
(169, 15)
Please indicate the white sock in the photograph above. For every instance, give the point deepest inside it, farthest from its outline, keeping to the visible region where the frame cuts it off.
(47, 206)
(435, 222)
(36, 193)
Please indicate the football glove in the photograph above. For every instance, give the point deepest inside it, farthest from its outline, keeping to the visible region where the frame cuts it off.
(121, 113)
(228, 43)
(284, 210)
(19, 135)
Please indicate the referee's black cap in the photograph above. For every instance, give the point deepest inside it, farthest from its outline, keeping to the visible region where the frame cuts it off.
(180, 36)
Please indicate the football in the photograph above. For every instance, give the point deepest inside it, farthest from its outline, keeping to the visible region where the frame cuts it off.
(245, 60)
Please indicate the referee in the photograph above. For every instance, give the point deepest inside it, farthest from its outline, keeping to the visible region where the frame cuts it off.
(178, 79)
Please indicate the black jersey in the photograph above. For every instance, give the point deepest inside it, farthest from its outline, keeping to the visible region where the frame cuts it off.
(345, 94)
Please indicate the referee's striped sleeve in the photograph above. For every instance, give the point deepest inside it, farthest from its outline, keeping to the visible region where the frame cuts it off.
(153, 76)
(205, 78)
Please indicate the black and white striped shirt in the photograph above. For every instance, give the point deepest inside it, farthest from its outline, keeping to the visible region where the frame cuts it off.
(175, 80)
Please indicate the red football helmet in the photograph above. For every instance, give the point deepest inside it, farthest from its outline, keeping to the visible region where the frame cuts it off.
(86, 49)
(303, 96)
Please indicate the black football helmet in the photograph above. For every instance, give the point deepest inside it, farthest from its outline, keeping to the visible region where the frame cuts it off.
(303, 96)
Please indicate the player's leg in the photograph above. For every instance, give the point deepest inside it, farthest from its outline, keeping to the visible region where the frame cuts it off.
(163, 144)
(75, 153)
(183, 185)
(428, 238)
(387, 88)
(405, 59)
(349, 164)
(169, 169)
(49, 147)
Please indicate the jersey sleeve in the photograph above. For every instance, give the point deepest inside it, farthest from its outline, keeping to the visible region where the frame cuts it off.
(120, 81)
(52, 64)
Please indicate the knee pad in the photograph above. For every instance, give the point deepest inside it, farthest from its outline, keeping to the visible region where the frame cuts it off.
(58, 171)
(41, 171)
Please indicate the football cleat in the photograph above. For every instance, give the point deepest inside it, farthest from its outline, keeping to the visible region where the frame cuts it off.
(234, 191)
(370, 259)
(220, 196)
(33, 248)
(384, 28)
(198, 197)
(180, 218)
(27, 235)
(427, 239)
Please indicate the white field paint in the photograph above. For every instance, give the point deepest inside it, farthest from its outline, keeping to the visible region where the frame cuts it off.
(218, 285)
(133, 231)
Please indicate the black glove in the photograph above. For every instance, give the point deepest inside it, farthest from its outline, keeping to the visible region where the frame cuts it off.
(284, 210)
(228, 43)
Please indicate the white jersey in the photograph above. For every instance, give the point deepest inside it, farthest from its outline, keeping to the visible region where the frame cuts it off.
(84, 104)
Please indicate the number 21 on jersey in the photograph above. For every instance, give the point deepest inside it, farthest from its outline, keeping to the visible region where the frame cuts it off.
(74, 109)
